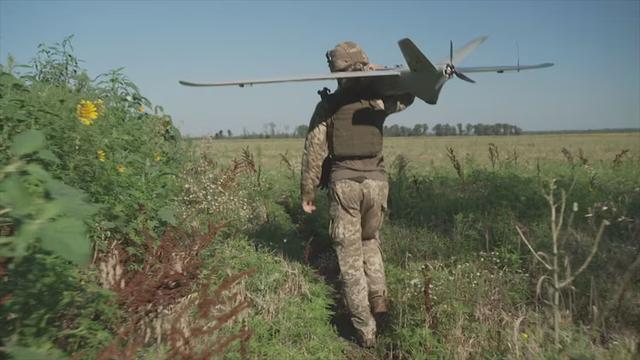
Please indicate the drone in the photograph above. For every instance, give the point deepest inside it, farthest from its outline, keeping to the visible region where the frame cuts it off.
(420, 77)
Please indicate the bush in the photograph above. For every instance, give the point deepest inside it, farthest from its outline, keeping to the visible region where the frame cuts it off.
(47, 302)
(84, 163)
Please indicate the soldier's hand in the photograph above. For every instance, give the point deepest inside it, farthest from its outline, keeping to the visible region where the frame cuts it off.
(308, 206)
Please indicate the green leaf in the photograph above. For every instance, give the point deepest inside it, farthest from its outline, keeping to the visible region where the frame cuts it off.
(71, 200)
(107, 225)
(67, 238)
(168, 214)
(27, 142)
(14, 196)
(47, 155)
(7, 247)
(38, 172)
(24, 237)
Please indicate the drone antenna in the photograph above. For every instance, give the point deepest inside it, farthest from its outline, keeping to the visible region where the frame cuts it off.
(518, 55)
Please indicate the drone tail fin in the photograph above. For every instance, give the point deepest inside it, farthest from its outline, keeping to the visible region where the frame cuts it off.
(415, 59)
(424, 80)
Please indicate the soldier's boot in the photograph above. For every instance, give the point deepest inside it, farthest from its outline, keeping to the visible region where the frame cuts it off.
(366, 341)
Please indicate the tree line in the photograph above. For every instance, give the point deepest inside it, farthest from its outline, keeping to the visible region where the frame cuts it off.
(270, 130)
(452, 130)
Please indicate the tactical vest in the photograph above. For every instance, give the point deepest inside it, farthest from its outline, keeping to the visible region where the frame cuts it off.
(355, 129)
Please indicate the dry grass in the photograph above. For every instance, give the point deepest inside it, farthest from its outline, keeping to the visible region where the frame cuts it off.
(431, 151)
(167, 301)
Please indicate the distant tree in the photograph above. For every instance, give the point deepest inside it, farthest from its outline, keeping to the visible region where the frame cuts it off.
(447, 130)
(269, 129)
(469, 129)
(301, 131)
(417, 130)
(391, 130)
(229, 133)
(460, 130)
(492, 129)
(438, 130)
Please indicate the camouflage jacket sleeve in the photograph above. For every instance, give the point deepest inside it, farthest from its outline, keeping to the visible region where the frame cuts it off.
(316, 149)
(397, 103)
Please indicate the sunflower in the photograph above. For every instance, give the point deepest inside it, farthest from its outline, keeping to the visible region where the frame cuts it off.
(101, 155)
(87, 112)
(120, 168)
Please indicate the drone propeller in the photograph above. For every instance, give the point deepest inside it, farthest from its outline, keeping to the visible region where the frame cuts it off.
(464, 77)
(450, 69)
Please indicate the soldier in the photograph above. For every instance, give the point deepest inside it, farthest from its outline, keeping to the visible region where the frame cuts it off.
(343, 150)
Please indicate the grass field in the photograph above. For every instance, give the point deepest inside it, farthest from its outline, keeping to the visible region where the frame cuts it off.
(120, 239)
(455, 235)
(431, 152)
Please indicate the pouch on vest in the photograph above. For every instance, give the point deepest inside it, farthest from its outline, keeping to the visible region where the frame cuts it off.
(325, 176)
(356, 130)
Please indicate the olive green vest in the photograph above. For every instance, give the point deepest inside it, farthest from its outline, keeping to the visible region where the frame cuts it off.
(355, 129)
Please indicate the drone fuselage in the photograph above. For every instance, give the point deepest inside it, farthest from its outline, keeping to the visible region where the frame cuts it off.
(425, 85)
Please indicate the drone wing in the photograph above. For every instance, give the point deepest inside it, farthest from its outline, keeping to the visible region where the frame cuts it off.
(331, 76)
(501, 69)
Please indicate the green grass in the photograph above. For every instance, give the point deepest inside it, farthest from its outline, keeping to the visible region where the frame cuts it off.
(458, 235)
(290, 315)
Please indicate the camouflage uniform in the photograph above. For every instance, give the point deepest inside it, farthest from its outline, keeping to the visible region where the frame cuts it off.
(356, 211)
(357, 202)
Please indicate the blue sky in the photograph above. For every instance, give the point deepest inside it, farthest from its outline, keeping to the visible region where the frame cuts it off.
(595, 46)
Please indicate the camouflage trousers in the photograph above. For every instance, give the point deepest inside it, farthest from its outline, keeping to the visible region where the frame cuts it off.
(356, 211)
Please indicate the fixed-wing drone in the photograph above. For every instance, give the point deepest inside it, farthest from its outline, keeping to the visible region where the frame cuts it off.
(422, 78)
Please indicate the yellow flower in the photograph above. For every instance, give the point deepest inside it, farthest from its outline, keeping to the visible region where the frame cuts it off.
(101, 155)
(120, 168)
(141, 109)
(86, 112)
(524, 335)
(157, 156)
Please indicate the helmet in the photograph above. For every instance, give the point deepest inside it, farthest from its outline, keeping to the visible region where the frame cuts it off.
(347, 56)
